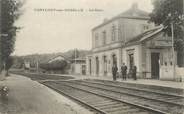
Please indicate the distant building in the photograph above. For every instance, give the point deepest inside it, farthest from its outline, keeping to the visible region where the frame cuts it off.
(78, 66)
(57, 65)
(30, 65)
(27, 65)
(58, 58)
(129, 38)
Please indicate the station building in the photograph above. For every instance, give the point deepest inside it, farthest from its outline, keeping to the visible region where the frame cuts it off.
(129, 38)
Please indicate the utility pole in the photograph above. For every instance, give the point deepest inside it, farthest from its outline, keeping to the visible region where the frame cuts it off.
(37, 66)
(75, 55)
(74, 60)
(173, 52)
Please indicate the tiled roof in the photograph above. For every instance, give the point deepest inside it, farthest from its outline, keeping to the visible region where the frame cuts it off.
(133, 13)
(79, 58)
(58, 57)
(145, 35)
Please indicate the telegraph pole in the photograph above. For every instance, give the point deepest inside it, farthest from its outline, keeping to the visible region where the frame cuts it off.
(172, 32)
(74, 66)
(75, 55)
(173, 52)
(37, 66)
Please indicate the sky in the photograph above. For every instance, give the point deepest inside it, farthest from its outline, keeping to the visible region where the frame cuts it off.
(58, 29)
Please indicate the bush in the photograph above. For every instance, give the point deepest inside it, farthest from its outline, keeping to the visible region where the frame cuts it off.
(55, 65)
(8, 63)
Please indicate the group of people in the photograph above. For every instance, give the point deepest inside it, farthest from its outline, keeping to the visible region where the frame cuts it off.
(124, 75)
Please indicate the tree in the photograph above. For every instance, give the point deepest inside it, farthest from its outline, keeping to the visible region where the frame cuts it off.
(10, 12)
(55, 65)
(166, 12)
(17, 62)
(8, 63)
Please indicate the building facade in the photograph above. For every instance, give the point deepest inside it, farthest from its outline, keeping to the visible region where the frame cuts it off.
(78, 66)
(129, 38)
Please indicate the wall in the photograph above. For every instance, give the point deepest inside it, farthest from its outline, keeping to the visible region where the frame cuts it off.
(108, 29)
(125, 30)
(136, 49)
(77, 68)
(167, 70)
(180, 73)
(108, 54)
(132, 27)
(160, 44)
(88, 65)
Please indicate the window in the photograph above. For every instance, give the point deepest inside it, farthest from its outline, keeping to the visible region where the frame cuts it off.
(131, 60)
(145, 27)
(113, 37)
(96, 39)
(105, 65)
(104, 37)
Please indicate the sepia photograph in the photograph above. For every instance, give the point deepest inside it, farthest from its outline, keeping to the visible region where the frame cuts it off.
(91, 56)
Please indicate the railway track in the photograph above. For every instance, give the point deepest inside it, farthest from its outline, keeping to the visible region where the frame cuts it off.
(163, 97)
(114, 97)
(42, 77)
(100, 103)
(131, 96)
(152, 88)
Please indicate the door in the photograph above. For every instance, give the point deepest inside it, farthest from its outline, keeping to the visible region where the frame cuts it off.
(105, 65)
(114, 60)
(90, 66)
(97, 66)
(131, 60)
(155, 65)
(83, 69)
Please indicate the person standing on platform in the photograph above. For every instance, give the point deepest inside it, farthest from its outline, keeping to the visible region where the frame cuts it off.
(124, 71)
(134, 71)
(114, 71)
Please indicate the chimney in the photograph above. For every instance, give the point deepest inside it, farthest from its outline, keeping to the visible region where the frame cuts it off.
(135, 6)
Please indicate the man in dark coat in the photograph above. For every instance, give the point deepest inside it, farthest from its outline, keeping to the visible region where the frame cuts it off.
(114, 71)
(134, 71)
(124, 71)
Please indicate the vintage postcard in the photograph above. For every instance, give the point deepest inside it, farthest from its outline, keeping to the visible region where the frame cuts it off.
(92, 57)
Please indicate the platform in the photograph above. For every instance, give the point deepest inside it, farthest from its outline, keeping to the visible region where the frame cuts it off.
(172, 84)
(30, 97)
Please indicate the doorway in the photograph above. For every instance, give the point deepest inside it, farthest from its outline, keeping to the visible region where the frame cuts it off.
(90, 66)
(155, 70)
(114, 60)
(105, 65)
(97, 66)
(131, 60)
(83, 69)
